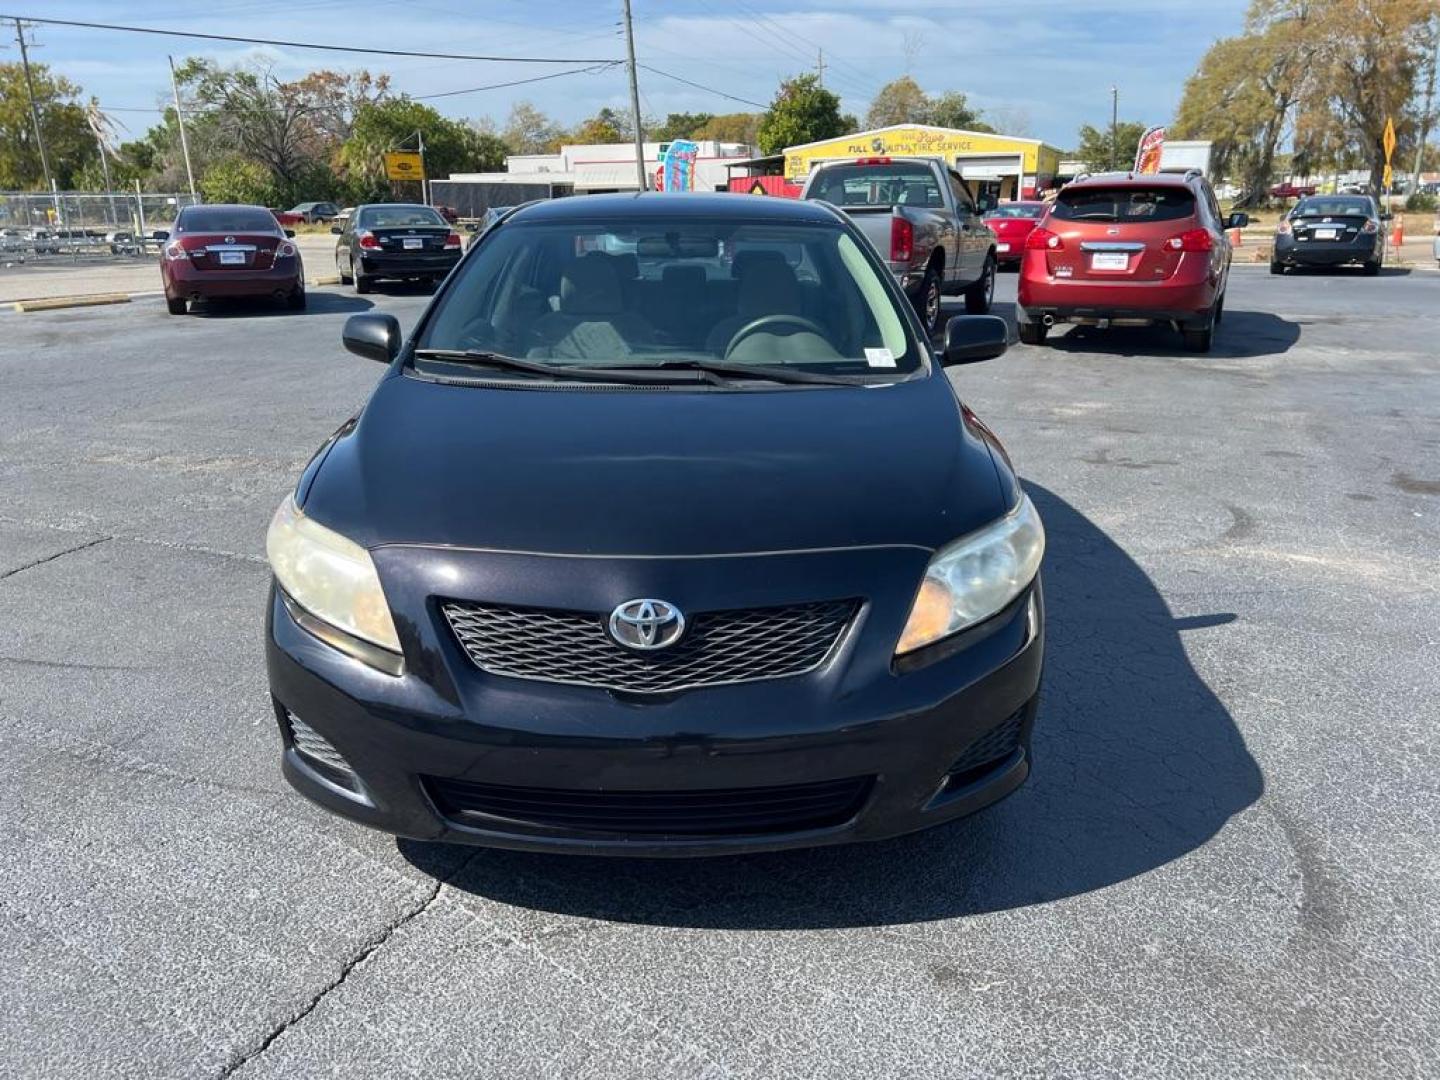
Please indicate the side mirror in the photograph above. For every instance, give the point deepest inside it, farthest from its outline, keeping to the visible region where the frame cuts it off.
(289, 234)
(373, 336)
(335, 229)
(972, 338)
(1237, 220)
(1386, 215)
(161, 234)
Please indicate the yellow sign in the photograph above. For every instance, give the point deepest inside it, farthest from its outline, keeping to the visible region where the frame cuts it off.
(404, 165)
(918, 140)
(758, 188)
(1389, 142)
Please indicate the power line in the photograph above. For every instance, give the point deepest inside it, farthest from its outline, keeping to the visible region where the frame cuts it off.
(514, 82)
(313, 45)
(707, 89)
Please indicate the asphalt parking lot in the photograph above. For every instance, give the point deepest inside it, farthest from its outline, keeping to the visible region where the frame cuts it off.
(1225, 863)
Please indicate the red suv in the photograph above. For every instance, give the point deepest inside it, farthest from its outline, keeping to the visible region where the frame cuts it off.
(1121, 249)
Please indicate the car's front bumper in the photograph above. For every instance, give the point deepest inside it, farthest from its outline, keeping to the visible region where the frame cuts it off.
(905, 734)
(1365, 247)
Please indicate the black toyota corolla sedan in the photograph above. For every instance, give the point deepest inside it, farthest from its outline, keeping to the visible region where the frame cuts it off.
(399, 241)
(664, 533)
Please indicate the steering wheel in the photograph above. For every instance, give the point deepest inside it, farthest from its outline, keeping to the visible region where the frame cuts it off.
(756, 325)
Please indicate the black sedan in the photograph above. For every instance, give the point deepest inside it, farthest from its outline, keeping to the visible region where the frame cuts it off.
(399, 241)
(665, 533)
(1330, 230)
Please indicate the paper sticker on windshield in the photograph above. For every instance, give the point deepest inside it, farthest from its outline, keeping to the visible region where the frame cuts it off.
(879, 358)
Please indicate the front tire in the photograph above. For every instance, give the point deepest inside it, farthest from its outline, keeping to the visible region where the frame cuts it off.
(176, 306)
(979, 296)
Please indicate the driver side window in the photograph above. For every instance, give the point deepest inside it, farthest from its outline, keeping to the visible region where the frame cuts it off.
(964, 202)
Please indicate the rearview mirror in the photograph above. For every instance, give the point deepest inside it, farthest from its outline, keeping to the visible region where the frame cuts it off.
(373, 336)
(1238, 220)
(334, 229)
(289, 234)
(972, 338)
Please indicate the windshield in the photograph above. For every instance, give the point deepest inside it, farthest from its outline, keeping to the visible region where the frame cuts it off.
(232, 219)
(899, 183)
(1333, 207)
(397, 217)
(658, 291)
(1017, 210)
(1125, 204)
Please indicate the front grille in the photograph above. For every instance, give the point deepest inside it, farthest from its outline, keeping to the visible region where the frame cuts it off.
(719, 647)
(676, 814)
(996, 744)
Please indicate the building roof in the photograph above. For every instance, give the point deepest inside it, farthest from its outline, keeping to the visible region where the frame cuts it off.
(918, 127)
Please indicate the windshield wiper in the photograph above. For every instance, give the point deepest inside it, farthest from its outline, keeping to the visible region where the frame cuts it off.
(742, 371)
(571, 372)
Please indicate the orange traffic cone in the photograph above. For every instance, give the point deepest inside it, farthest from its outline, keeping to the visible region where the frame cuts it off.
(1397, 236)
(1236, 237)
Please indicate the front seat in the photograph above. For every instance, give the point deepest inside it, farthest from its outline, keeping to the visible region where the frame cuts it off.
(591, 321)
(767, 287)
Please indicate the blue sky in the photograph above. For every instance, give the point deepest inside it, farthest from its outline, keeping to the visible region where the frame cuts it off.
(1039, 68)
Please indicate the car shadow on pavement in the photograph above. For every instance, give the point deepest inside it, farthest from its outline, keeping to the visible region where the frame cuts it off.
(1136, 764)
(316, 303)
(1241, 335)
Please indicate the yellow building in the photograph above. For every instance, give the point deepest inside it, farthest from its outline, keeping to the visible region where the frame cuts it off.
(1003, 166)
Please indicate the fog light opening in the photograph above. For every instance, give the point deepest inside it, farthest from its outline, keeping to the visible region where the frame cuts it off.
(320, 757)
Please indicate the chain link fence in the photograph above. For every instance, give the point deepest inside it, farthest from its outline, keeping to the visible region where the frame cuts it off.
(77, 223)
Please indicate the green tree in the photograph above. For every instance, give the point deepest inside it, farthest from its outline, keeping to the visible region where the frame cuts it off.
(680, 126)
(899, 102)
(606, 126)
(240, 180)
(1100, 152)
(529, 131)
(69, 143)
(802, 111)
(379, 126)
(731, 127)
(952, 110)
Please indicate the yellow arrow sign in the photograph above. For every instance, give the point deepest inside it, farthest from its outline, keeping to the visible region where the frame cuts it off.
(1389, 141)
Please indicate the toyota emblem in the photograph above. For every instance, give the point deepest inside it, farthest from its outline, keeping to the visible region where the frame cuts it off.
(646, 624)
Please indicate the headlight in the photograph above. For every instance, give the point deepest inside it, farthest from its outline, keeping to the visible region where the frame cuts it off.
(333, 579)
(974, 577)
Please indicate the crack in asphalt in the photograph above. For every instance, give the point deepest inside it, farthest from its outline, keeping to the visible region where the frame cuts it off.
(367, 950)
(172, 545)
(52, 558)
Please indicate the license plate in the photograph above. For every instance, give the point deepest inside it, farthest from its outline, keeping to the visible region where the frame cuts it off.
(1109, 260)
(1327, 234)
(413, 243)
(1002, 247)
(232, 258)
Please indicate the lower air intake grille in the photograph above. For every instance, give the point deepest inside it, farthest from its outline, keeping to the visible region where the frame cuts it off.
(678, 814)
(319, 754)
(719, 647)
(997, 743)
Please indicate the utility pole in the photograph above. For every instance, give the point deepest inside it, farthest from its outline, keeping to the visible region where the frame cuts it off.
(34, 108)
(635, 99)
(1114, 128)
(820, 65)
(180, 115)
(424, 184)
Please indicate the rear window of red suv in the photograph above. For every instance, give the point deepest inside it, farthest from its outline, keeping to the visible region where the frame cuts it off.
(1122, 204)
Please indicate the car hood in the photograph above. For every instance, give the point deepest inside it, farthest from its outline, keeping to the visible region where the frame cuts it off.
(644, 472)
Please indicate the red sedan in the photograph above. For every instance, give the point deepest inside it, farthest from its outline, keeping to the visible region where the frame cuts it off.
(229, 251)
(1011, 223)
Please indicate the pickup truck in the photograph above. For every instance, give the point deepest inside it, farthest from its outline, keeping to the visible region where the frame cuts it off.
(923, 220)
(1288, 190)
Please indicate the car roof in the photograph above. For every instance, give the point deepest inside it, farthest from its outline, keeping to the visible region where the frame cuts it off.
(700, 205)
(225, 206)
(1130, 179)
